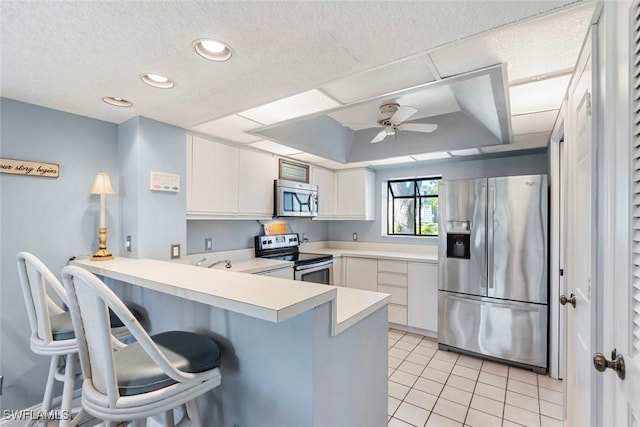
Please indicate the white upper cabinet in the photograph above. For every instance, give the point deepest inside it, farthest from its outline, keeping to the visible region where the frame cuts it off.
(355, 197)
(325, 180)
(225, 182)
(212, 177)
(256, 174)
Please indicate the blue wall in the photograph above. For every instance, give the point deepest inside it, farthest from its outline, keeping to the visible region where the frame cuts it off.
(52, 218)
(58, 218)
(154, 219)
(231, 234)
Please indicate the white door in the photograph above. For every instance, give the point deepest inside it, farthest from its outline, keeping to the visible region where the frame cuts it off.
(623, 407)
(580, 381)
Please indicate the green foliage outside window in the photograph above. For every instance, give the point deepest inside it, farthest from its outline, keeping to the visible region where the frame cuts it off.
(412, 208)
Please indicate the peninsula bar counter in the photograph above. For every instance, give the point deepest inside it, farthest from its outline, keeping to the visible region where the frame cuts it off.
(295, 354)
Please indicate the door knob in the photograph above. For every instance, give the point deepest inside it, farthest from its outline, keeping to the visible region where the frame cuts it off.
(571, 300)
(617, 363)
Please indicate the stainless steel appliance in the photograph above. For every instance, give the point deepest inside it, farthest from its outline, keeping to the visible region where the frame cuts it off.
(295, 199)
(307, 267)
(493, 279)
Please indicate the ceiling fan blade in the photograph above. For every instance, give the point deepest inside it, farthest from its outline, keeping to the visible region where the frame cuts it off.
(402, 114)
(419, 127)
(379, 137)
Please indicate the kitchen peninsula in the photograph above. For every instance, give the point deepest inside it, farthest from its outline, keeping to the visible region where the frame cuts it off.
(294, 354)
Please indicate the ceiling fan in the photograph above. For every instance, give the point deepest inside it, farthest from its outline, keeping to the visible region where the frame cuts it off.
(393, 118)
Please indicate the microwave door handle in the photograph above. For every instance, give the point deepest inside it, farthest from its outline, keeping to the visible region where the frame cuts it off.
(310, 204)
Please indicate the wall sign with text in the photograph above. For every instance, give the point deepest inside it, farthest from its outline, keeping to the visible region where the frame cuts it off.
(25, 167)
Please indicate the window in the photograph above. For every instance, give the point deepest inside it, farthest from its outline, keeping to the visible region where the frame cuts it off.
(412, 207)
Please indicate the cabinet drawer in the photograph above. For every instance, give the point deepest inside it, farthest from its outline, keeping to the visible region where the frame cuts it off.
(392, 279)
(397, 314)
(392, 266)
(398, 295)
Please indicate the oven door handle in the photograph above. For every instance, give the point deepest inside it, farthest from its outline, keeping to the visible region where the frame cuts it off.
(313, 266)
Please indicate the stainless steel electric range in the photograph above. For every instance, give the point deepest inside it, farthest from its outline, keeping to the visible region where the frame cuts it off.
(307, 267)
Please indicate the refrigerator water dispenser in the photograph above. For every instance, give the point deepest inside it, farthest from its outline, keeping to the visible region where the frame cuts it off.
(458, 245)
(458, 239)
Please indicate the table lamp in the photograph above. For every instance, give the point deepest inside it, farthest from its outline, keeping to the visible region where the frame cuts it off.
(102, 186)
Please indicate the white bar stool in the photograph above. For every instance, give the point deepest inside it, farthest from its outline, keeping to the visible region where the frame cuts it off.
(132, 382)
(52, 334)
(51, 331)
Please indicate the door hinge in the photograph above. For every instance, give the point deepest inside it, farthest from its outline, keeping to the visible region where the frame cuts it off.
(589, 109)
(561, 272)
(1, 383)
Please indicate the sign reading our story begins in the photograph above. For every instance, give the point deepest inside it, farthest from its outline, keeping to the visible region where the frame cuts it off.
(25, 167)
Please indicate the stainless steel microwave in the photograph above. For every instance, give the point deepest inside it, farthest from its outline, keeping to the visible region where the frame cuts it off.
(295, 199)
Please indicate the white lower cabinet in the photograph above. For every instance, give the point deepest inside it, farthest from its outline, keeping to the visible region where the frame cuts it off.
(413, 287)
(423, 295)
(283, 273)
(338, 270)
(392, 279)
(398, 314)
(361, 273)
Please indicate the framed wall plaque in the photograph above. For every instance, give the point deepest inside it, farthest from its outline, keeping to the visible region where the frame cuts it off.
(26, 167)
(293, 171)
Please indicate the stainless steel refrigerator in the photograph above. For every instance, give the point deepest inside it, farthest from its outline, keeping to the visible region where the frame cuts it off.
(493, 280)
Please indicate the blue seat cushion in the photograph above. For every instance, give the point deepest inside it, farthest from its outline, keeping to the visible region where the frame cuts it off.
(189, 352)
(62, 326)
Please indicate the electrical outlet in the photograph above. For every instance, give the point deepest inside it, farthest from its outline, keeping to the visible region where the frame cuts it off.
(355, 236)
(127, 244)
(208, 244)
(175, 250)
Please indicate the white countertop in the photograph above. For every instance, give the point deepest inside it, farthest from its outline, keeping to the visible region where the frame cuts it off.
(359, 253)
(268, 298)
(252, 266)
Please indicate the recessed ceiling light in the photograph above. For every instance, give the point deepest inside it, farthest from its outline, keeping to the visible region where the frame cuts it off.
(214, 50)
(117, 102)
(156, 80)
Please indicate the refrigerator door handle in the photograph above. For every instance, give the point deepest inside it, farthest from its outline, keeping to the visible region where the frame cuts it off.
(490, 221)
(485, 265)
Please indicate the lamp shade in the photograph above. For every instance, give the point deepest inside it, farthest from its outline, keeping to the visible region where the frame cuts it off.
(102, 184)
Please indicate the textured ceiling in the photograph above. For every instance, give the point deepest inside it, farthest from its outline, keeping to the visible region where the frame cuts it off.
(68, 55)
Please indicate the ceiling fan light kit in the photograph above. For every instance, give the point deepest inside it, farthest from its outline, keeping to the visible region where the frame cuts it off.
(393, 117)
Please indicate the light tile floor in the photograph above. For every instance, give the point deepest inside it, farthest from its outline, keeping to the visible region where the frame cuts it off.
(433, 388)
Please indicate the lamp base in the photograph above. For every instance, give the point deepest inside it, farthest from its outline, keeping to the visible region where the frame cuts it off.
(102, 254)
